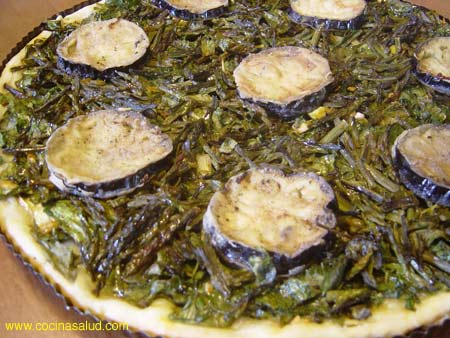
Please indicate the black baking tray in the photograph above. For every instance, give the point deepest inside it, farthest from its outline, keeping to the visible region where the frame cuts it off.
(438, 330)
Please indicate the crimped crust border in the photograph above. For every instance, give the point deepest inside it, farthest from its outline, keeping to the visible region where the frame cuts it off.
(432, 329)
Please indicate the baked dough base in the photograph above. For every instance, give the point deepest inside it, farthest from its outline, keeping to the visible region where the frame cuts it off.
(387, 320)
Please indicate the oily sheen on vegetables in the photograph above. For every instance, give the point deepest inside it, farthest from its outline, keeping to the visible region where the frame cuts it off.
(144, 257)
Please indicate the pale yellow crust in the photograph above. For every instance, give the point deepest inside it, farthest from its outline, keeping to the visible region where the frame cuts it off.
(9, 77)
(386, 321)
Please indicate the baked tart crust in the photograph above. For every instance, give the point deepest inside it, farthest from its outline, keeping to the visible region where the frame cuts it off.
(16, 221)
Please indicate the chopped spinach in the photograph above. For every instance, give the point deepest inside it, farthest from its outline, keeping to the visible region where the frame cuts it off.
(148, 244)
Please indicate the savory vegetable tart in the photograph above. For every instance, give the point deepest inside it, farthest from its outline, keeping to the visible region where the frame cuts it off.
(235, 168)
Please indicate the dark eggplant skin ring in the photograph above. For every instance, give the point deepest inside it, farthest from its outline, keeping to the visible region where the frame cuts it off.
(293, 109)
(86, 71)
(421, 186)
(238, 255)
(330, 24)
(436, 83)
(83, 71)
(186, 15)
(116, 187)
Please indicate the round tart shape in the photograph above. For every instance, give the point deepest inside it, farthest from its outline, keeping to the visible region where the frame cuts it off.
(16, 223)
(330, 14)
(194, 9)
(285, 80)
(422, 156)
(104, 45)
(265, 209)
(105, 153)
(432, 64)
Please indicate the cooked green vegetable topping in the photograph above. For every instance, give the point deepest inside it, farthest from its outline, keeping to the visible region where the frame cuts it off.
(387, 243)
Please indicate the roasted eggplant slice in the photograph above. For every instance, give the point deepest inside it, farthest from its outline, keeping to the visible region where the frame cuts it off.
(329, 14)
(103, 45)
(193, 9)
(422, 157)
(286, 81)
(432, 64)
(264, 209)
(105, 154)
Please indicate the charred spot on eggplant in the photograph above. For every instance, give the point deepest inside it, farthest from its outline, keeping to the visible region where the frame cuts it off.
(263, 209)
(292, 110)
(192, 9)
(85, 71)
(105, 154)
(100, 46)
(431, 64)
(329, 14)
(287, 81)
(422, 158)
